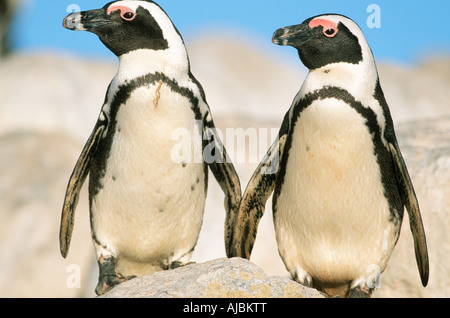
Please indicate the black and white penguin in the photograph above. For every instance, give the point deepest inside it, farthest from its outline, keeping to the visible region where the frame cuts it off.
(146, 205)
(341, 184)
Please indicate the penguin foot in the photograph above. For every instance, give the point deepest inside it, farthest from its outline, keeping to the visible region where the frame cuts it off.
(359, 292)
(109, 276)
(176, 264)
(109, 281)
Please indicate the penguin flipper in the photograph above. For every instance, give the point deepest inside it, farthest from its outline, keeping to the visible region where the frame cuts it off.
(225, 174)
(252, 207)
(412, 206)
(74, 186)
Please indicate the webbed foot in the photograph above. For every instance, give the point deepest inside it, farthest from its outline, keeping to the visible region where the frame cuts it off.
(176, 264)
(109, 277)
(360, 292)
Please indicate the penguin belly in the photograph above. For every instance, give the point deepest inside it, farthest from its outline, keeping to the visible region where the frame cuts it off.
(149, 210)
(331, 215)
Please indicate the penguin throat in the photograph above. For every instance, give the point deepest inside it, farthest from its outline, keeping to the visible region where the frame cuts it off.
(141, 62)
(360, 79)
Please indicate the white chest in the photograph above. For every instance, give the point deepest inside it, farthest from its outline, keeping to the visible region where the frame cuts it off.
(150, 205)
(332, 215)
(142, 151)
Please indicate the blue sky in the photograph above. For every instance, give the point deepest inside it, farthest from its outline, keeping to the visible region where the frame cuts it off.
(408, 30)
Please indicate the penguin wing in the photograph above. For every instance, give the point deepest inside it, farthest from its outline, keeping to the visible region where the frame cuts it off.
(412, 206)
(225, 174)
(252, 207)
(76, 181)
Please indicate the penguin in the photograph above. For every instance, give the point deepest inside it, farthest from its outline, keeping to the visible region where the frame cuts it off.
(146, 197)
(339, 181)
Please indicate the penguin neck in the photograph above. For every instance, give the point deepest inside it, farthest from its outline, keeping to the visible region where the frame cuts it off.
(358, 79)
(174, 63)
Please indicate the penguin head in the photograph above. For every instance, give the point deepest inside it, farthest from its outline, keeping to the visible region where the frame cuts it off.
(324, 40)
(126, 26)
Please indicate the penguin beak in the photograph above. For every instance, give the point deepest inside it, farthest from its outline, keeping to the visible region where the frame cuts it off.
(91, 20)
(294, 35)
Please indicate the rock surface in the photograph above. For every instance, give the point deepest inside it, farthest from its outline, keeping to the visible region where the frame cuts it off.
(219, 278)
(34, 168)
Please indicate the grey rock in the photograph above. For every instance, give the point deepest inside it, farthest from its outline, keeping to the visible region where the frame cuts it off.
(219, 278)
(418, 92)
(34, 169)
(52, 93)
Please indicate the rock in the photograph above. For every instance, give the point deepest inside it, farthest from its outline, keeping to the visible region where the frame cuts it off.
(34, 170)
(218, 278)
(418, 92)
(66, 98)
(237, 72)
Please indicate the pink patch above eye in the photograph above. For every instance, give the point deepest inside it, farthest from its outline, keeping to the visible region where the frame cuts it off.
(122, 9)
(326, 24)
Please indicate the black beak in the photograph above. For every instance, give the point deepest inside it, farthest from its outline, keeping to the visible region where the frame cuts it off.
(294, 35)
(87, 20)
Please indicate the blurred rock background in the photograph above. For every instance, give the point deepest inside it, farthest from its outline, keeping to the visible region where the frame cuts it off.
(49, 103)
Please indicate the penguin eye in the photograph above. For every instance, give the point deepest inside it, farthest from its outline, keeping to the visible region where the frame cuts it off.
(128, 15)
(329, 28)
(330, 32)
